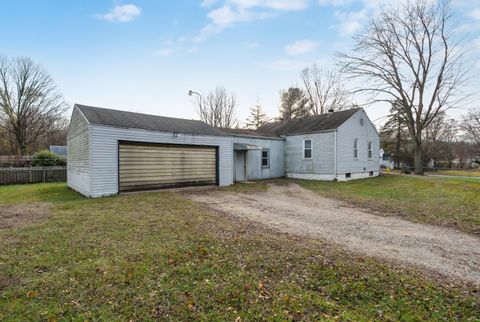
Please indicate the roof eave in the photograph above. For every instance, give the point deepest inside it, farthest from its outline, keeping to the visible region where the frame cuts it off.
(310, 132)
(136, 128)
(255, 136)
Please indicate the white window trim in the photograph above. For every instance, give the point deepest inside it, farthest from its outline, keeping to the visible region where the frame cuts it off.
(311, 149)
(370, 150)
(268, 159)
(355, 148)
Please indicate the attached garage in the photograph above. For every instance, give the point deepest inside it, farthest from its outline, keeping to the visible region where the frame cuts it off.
(117, 151)
(155, 166)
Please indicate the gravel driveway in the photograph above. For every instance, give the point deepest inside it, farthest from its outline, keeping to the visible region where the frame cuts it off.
(291, 208)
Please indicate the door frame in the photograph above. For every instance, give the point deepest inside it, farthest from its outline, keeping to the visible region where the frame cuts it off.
(244, 152)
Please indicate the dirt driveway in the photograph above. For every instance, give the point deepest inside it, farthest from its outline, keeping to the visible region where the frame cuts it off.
(291, 208)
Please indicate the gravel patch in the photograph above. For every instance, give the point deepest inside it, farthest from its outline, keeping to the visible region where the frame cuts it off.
(293, 209)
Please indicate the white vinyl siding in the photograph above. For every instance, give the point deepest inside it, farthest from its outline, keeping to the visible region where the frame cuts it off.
(78, 157)
(346, 134)
(322, 154)
(276, 153)
(104, 153)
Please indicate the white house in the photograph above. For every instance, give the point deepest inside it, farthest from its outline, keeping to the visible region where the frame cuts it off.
(112, 151)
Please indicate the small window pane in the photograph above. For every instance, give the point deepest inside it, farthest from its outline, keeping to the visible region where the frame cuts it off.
(265, 159)
(308, 154)
(307, 149)
(355, 149)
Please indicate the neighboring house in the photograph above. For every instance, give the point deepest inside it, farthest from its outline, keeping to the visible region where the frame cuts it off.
(113, 151)
(60, 150)
(386, 160)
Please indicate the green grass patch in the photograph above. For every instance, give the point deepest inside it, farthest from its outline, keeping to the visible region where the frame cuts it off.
(451, 202)
(38, 192)
(460, 173)
(160, 256)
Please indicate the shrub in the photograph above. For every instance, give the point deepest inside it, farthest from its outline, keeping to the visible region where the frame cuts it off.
(45, 158)
(406, 170)
(61, 162)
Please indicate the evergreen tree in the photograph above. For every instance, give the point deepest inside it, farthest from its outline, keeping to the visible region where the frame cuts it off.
(293, 104)
(257, 117)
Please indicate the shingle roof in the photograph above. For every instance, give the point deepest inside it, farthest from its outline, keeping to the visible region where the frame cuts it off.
(248, 132)
(124, 119)
(308, 124)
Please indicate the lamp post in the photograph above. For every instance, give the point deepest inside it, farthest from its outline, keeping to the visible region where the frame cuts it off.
(190, 93)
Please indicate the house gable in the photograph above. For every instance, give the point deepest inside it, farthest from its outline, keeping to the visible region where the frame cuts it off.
(360, 128)
(78, 157)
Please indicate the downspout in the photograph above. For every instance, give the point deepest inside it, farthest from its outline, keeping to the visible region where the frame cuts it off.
(335, 155)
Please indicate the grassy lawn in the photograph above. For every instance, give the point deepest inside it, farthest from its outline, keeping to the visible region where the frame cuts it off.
(451, 202)
(159, 256)
(460, 173)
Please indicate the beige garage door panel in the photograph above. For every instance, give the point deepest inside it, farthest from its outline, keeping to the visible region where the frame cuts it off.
(143, 167)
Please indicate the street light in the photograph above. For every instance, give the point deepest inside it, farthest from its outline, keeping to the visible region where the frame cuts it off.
(190, 93)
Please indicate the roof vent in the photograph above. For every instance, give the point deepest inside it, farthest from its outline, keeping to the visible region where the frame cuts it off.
(330, 110)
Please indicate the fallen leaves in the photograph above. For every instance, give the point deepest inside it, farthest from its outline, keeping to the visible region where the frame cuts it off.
(32, 294)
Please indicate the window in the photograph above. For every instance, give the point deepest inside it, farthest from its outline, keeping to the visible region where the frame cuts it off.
(307, 149)
(361, 122)
(370, 153)
(370, 173)
(265, 158)
(348, 175)
(355, 149)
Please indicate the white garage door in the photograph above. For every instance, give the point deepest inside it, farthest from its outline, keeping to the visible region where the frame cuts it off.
(156, 166)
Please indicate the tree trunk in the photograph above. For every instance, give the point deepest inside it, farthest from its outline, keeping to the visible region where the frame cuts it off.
(21, 146)
(418, 158)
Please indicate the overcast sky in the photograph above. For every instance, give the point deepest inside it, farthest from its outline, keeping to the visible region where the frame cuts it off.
(144, 56)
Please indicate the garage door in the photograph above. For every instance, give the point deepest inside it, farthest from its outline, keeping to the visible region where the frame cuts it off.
(154, 166)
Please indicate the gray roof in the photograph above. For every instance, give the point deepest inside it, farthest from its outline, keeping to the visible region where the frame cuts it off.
(123, 119)
(309, 124)
(249, 132)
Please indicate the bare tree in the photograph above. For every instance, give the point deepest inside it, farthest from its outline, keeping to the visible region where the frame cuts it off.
(410, 55)
(439, 137)
(56, 134)
(471, 126)
(325, 89)
(29, 102)
(217, 108)
(257, 117)
(293, 104)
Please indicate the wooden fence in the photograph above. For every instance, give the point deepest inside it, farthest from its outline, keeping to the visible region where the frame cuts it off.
(32, 175)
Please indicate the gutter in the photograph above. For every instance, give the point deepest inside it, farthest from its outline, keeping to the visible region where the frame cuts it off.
(280, 138)
(309, 132)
